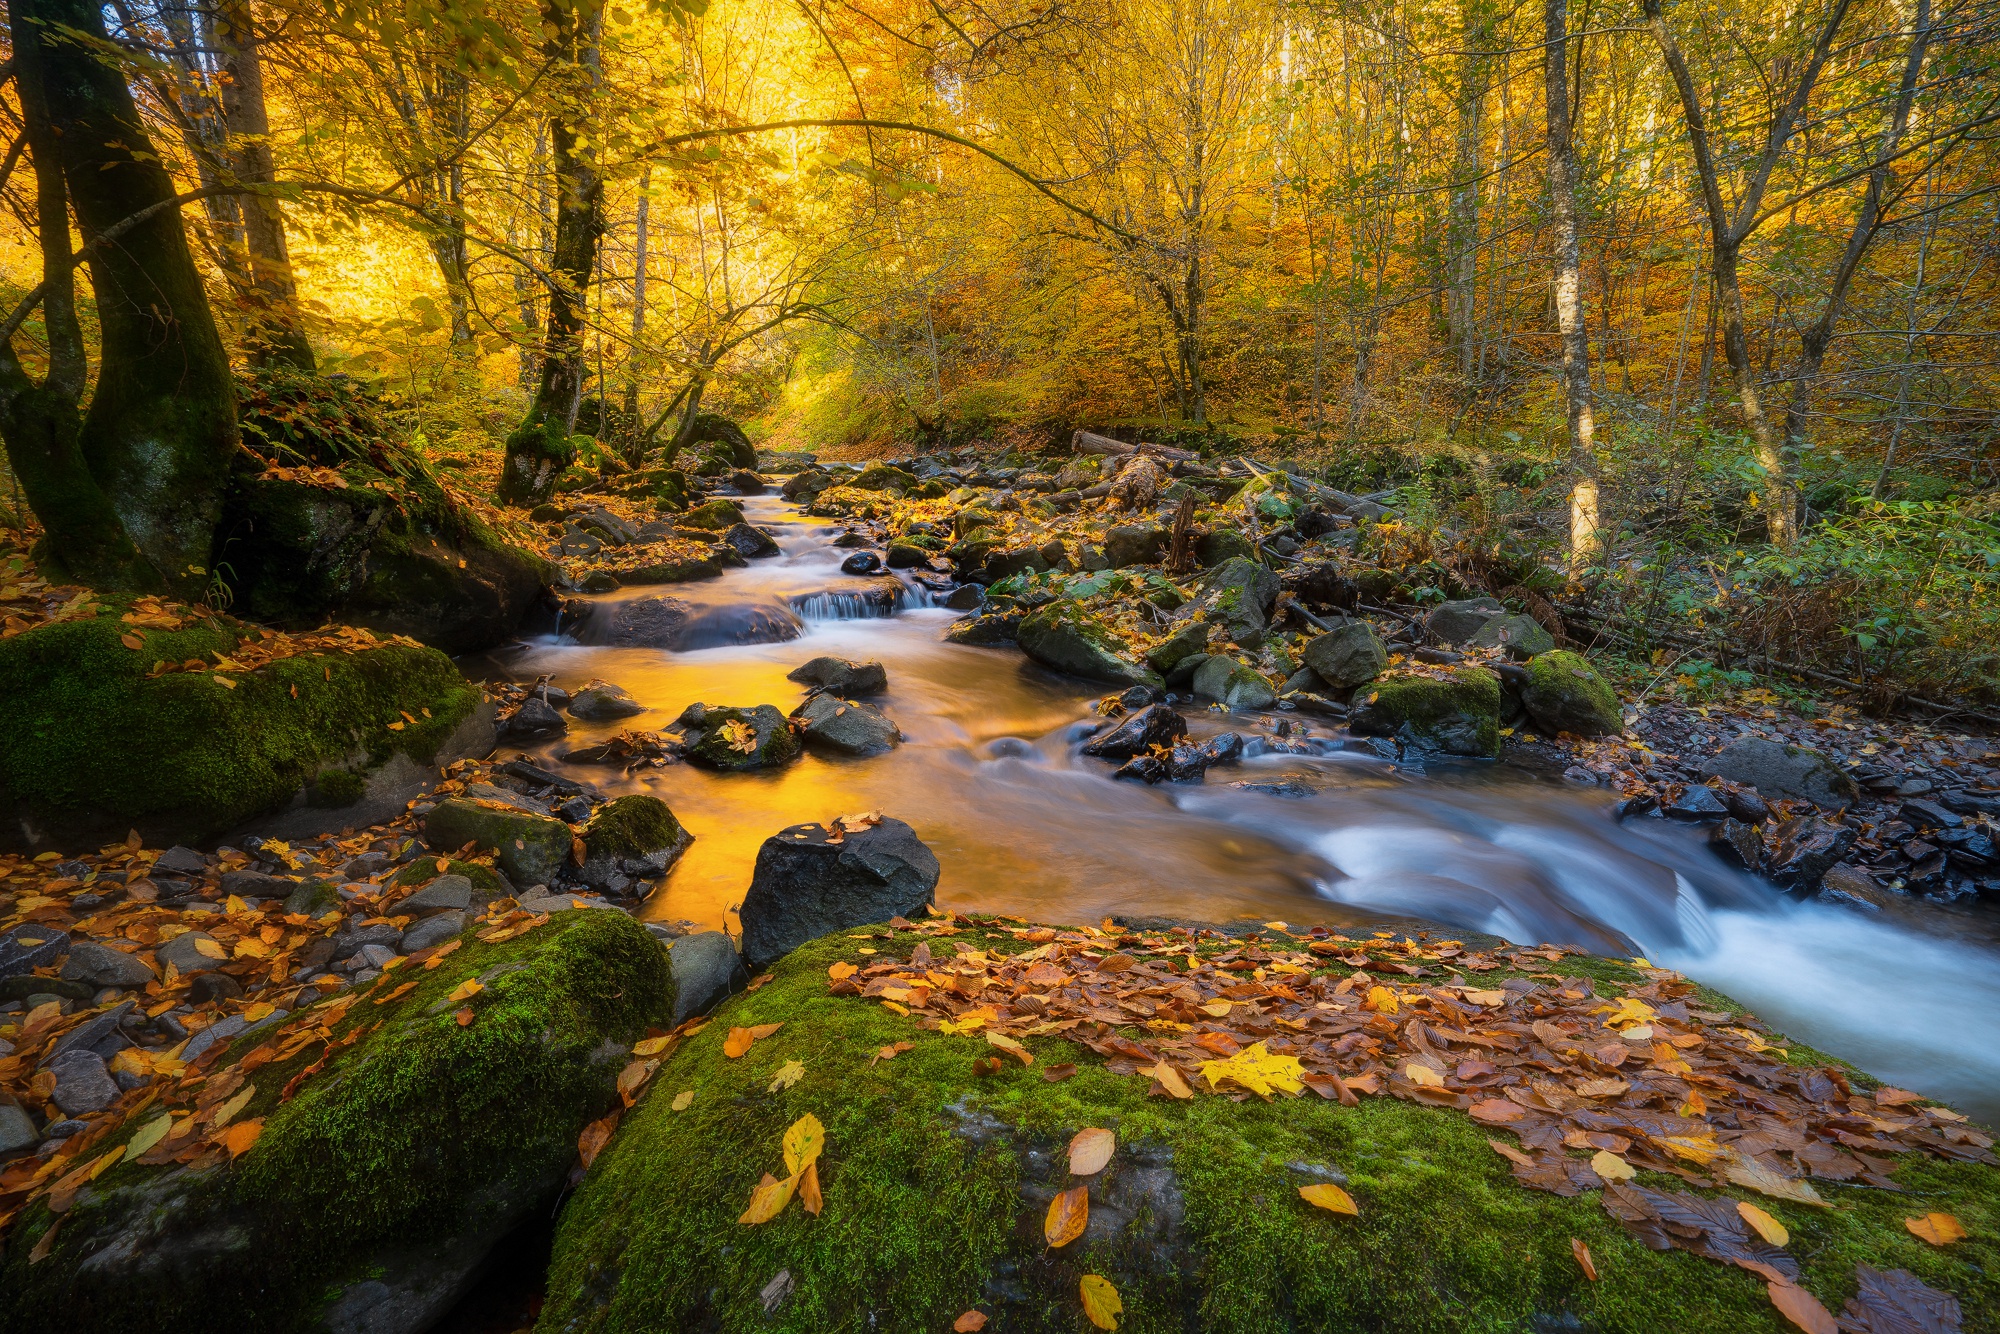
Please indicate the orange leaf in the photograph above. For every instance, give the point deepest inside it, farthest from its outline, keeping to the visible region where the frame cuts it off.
(769, 1199)
(1069, 1211)
(809, 1196)
(1801, 1308)
(1100, 1301)
(463, 1016)
(841, 971)
(1937, 1229)
(1583, 1260)
(1091, 1150)
(1329, 1197)
(1011, 1047)
(239, 1137)
(1495, 1111)
(132, 641)
(969, 1323)
(595, 1136)
(1510, 1153)
(1170, 1080)
(740, 1040)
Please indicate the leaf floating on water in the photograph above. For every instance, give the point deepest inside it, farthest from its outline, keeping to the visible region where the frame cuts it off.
(1069, 1213)
(1100, 1302)
(1802, 1308)
(1583, 1260)
(1937, 1229)
(1091, 1151)
(1767, 1227)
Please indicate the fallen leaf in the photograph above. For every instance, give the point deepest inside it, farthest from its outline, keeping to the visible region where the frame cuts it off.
(463, 1016)
(239, 1137)
(1419, 1073)
(45, 1245)
(595, 1136)
(149, 1134)
(788, 1074)
(1767, 1227)
(1068, 1213)
(1011, 1047)
(740, 1040)
(969, 1323)
(841, 971)
(683, 1100)
(1382, 1000)
(1583, 1260)
(809, 1196)
(1325, 1195)
(1091, 1151)
(464, 991)
(1497, 1111)
(633, 1078)
(1257, 1070)
(1753, 1175)
(803, 1142)
(1056, 1074)
(654, 1046)
(1800, 1307)
(1100, 1302)
(1510, 1153)
(1170, 1080)
(1219, 1008)
(1937, 1229)
(1611, 1167)
(769, 1199)
(1897, 1301)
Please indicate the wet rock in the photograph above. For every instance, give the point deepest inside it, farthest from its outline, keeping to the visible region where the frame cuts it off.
(862, 562)
(1064, 637)
(1747, 807)
(740, 623)
(647, 622)
(447, 893)
(882, 477)
(529, 848)
(1147, 769)
(433, 931)
(965, 598)
(1154, 725)
(750, 543)
(1459, 715)
(1849, 886)
(902, 556)
(632, 838)
(1236, 687)
(1564, 693)
(1347, 656)
(745, 483)
(717, 516)
(534, 719)
(1135, 544)
(1929, 815)
(601, 581)
(1323, 585)
(805, 886)
(1697, 803)
(851, 539)
(1191, 763)
(183, 953)
(1006, 564)
(102, 966)
(1779, 771)
(992, 630)
(1188, 641)
(1807, 848)
(707, 969)
(829, 722)
(841, 676)
(1737, 842)
(1239, 594)
(737, 739)
(1457, 622)
(83, 1083)
(1521, 636)
(600, 701)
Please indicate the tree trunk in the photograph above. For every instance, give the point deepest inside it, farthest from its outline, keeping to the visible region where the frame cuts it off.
(277, 335)
(1586, 544)
(1780, 497)
(160, 433)
(539, 449)
(1462, 229)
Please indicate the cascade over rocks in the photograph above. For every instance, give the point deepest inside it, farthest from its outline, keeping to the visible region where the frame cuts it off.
(807, 884)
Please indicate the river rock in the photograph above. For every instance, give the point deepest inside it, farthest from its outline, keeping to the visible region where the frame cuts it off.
(102, 966)
(805, 886)
(1190, 763)
(829, 722)
(83, 1083)
(1459, 715)
(17, 1128)
(447, 893)
(1737, 842)
(1006, 564)
(1323, 585)
(966, 597)
(1165, 656)
(1135, 544)
(1521, 636)
(884, 477)
(736, 739)
(842, 677)
(647, 622)
(631, 838)
(314, 898)
(1154, 725)
(748, 542)
(1779, 771)
(862, 562)
(1238, 688)
(1347, 656)
(1224, 544)
(1564, 693)
(533, 720)
(529, 848)
(434, 930)
(600, 701)
(1064, 637)
(745, 483)
(992, 630)
(1808, 848)
(180, 860)
(717, 516)
(707, 969)
(1849, 886)
(1697, 803)
(1457, 622)
(183, 953)
(1239, 594)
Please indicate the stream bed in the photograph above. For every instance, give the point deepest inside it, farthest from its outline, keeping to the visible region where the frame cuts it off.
(991, 777)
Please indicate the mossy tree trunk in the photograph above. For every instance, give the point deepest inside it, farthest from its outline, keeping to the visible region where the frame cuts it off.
(160, 433)
(539, 449)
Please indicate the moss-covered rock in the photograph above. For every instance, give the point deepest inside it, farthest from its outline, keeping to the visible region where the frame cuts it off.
(530, 849)
(725, 439)
(1347, 656)
(387, 1176)
(1224, 544)
(635, 836)
(425, 869)
(882, 477)
(1065, 637)
(1233, 685)
(1458, 714)
(1184, 643)
(937, 1178)
(993, 630)
(716, 515)
(735, 740)
(1565, 693)
(1239, 594)
(97, 746)
(1523, 637)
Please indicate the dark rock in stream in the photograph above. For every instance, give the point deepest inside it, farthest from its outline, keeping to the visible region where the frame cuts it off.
(862, 562)
(646, 622)
(735, 739)
(1780, 771)
(842, 677)
(829, 722)
(599, 701)
(1191, 763)
(806, 885)
(534, 719)
(1735, 841)
(1807, 849)
(753, 543)
(1697, 803)
(1154, 725)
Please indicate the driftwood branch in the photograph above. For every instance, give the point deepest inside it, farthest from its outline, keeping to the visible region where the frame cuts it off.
(1089, 442)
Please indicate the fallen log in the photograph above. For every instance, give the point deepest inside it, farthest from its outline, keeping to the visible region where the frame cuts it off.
(1089, 442)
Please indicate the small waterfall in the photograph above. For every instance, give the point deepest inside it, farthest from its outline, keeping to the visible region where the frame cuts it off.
(875, 603)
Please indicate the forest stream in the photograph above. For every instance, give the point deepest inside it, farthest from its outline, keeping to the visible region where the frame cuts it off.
(991, 776)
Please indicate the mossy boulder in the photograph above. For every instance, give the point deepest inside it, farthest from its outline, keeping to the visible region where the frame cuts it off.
(1458, 713)
(1523, 637)
(1349, 655)
(529, 849)
(937, 1178)
(995, 629)
(1234, 686)
(1223, 544)
(636, 837)
(716, 515)
(96, 745)
(1565, 693)
(1184, 643)
(425, 869)
(734, 740)
(1066, 638)
(1239, 594)
(882, 477)
(726, 440)
(374, 1190)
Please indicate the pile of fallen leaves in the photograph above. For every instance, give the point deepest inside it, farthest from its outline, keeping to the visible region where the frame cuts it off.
(1592, 1086)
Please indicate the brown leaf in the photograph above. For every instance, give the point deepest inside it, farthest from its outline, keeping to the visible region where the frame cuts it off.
(1898, 1302)
(969, 1323)
(1170, 1082)
(1091, 1151)
(1055, 1074)
(595, 1136)
(809, 1197)
(1069, 1212)
(463, 1016)
(1497, 1111)
(1583, 1260)
(45, 1245)
(1510, 1153)
(1803, 1309)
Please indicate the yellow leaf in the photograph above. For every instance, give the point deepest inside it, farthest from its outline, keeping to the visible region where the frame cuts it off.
(803, 1142)
(1069, 1213)
(1257, 1070)
(1769, 1228)
(1011, 1047)
(228, 1111)
(1091, 1150)
(1219, 1008)
(1753, 1175)
(210, 949)
(788, 1074)
(683, 1100)
(1698, 1149)
(1937, 1229)
(465, 990)
(739, 736)
(1419, 1073)
(1611, 1167)
(1325, 1195)
(1170, 1080)
(652, 1046)
(769, 1199)
(1100, 1302)
(149, 1134)
(1382, 1000)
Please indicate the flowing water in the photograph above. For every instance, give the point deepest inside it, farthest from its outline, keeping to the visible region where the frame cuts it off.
(992, 779)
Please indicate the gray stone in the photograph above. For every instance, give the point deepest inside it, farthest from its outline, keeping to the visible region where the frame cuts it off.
(750, 543)
(447, 893)
(992, 630)
(1224, 544)
(804, 886)
(1347, 656)
(100, 1035)
(647, 622)
(1239, 594)
(1185, 643)
(31, 946)
(257, 885)
(183, 954)
(1457, 622)
(180, 860)
(314, 898)
(1236, 687)
(17, 1128)
(1521, 636)
(83, 1083)
(1135, 544)
(601, 700)
(351, 943)
(846, 726)
(547, 903)
(714, 743)
(842, 677)
(707, 969)
(534, 719)
(903, 556)
(375, 956)
(1779, 771)
(1064, 637)
(102, 966)
(432, 931)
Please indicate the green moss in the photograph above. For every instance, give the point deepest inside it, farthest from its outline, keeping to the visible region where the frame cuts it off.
(716, 514)
(97, 747)
(416, 1132)
(925, 1215)
(337, 787)
(1566, 694)
(425, 869)
(1459, 714)
(632, 827)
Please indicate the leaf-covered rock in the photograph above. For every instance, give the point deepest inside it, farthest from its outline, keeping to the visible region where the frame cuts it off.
(735, 739)
(1066, 638)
